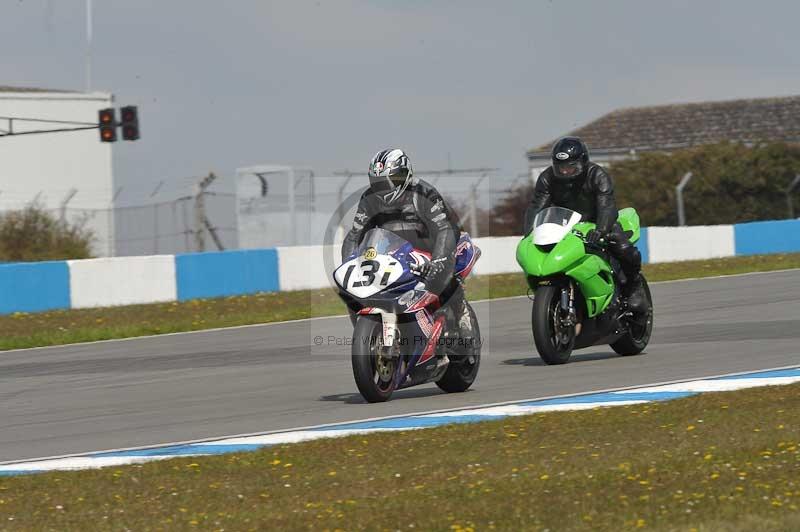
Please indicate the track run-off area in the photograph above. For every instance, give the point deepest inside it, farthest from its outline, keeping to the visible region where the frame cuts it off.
(205, 385)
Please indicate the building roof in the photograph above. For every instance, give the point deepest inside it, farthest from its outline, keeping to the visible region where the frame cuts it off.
(680, 125)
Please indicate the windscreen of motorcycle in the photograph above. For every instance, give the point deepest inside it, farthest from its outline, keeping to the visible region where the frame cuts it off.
(374, 267)
(552, 224)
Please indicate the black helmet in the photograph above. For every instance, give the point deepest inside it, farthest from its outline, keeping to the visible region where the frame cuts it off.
(389, 174)
(570, 158)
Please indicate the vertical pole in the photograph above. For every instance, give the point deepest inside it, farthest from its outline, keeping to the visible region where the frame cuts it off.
(88, 45)
(199, 215)
(110, 230)
(313, 193)
(679, 197)
(155, 228)
(339, 208)
(200, 210)
(63, 208)
(473, 210)
(473, 207)
(155, 218)
(789, 191)
(186, 230)
(292, 221)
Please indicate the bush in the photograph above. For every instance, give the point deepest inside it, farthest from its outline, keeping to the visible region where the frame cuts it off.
(33, 234)
(731, 183)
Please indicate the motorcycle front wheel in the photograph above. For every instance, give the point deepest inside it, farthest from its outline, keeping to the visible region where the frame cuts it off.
(554, 342)
(374, 367)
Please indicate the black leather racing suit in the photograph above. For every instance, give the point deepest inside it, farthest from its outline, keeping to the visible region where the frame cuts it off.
(422, 217)
(592, 195)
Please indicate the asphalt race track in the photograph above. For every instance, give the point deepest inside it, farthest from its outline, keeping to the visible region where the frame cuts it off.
(64, 400)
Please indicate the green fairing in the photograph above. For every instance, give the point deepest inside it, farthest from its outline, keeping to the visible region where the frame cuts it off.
(592, 273)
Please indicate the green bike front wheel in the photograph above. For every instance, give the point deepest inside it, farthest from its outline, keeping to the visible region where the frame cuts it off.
(554, 341)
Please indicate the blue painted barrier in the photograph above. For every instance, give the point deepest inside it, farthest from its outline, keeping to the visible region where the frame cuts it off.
(226, 273)
(34, 286)
(755, 238)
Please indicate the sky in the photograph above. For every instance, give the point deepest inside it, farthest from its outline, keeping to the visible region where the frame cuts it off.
(326, 84)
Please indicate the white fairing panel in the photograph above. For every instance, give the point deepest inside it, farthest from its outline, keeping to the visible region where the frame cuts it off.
(363, 278)
(553, 231)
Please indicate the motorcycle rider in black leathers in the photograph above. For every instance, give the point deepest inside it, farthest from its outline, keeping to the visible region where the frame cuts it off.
(414, 210)
(575, 183)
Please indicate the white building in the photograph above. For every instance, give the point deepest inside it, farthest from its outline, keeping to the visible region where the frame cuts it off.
(69, 173)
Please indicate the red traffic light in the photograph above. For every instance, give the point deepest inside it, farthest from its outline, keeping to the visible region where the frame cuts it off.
(107, 123)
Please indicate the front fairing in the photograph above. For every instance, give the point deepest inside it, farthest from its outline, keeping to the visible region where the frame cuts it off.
(569, 258)
(386, 283)
(545, 261)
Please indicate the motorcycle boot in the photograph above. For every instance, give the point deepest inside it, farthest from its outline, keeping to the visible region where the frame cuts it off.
(631, 261)
(634, 294)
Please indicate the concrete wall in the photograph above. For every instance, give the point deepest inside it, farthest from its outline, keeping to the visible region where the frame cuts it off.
(34, 287)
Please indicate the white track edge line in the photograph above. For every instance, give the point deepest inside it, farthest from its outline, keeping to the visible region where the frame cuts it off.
(212, 439)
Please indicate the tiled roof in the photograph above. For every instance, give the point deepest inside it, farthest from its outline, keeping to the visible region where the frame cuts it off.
(678, 125)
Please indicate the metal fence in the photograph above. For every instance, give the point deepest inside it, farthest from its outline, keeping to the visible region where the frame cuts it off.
(280, 206)
(257, 211)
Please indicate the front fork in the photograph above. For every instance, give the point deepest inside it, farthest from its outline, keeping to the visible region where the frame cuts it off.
(389, 328)
(567, 304)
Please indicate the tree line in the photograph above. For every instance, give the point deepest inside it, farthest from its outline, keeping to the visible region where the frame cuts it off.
(731, 183)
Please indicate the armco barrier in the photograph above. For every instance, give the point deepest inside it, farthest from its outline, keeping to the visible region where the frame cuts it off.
(122, 281)
(767, 237)
(40, 286)
(34, 286)
(226, 273)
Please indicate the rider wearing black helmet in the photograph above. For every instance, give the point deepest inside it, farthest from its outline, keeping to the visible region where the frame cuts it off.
(576, 183)
(408, 206)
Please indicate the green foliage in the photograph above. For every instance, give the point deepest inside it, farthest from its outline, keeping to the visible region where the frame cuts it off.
(33, 234)
(731, 184)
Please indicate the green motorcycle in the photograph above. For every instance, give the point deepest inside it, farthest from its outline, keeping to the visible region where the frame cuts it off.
(577, 300)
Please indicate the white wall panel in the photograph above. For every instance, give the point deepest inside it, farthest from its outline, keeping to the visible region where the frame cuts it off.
(668, 244)
(303, 267)
(498, 255)
(122, 281)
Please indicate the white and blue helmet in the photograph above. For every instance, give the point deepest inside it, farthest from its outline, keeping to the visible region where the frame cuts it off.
(389, 174)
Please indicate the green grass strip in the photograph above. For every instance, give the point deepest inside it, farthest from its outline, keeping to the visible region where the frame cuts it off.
(725, 461)
(83, 325)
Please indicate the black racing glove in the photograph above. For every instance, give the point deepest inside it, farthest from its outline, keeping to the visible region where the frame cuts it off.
(594, 236)
(430, 269)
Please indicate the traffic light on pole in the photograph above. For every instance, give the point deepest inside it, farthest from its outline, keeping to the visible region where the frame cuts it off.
(107, 123)
(130, 122)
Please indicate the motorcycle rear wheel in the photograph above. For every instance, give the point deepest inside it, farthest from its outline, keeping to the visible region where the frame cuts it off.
(553, 344)
(373, 372)
(460, 374)
(635, 340)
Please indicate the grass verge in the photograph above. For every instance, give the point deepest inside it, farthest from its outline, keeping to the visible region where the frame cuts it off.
(714, 462)
(69, 326)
